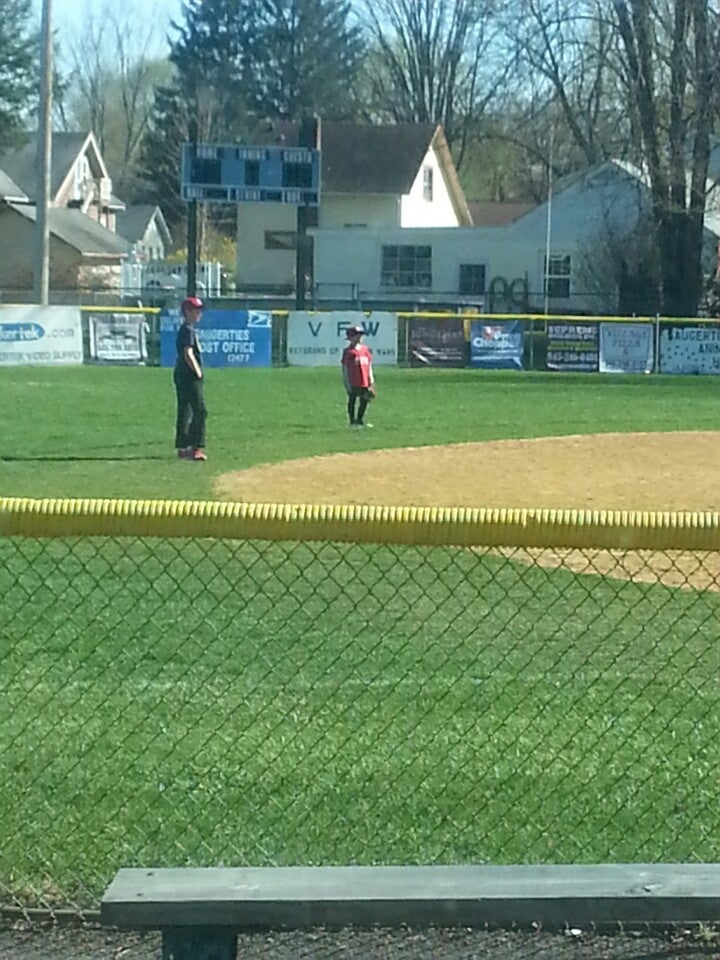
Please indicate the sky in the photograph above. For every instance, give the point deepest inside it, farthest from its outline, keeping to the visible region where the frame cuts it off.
(67, 15)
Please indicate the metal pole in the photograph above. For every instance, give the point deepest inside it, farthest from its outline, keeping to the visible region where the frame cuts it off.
(192, 214)
(44, 158)
(309, 136)
(548, 224)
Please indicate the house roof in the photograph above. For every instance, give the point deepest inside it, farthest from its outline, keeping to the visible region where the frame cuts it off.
(486, 213)
(79, 231)
(9, 190)
(21, 164)
(371, 158)
(356, 158)
(133, 222)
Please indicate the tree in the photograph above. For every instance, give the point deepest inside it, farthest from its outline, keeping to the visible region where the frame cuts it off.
(159, 159)
(566, 52)
(114, 65)
(213, 55)
(238, 61)
(269, 58)
(436, 61)
(207, 99)
(309, 58)
(19, 51)
(670, 79)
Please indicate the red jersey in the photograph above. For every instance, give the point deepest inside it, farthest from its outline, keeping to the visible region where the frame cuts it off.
(357, 362)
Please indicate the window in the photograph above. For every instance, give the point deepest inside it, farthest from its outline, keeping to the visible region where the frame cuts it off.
(280, 239)
(406, 266)
(557, 276)
(427, 183)
(472, 278)
(82, 175)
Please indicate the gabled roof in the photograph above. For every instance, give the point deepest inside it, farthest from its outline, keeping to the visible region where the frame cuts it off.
(10, 191)
(79, 231)
(132, 223)
(488, 213)
(21, 164)
(360, 158)
(601, 174)
(371, 158)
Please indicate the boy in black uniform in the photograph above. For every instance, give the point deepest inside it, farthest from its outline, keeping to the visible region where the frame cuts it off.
(188, 377)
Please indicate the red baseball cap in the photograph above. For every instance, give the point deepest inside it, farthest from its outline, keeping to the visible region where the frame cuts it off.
(354, 332)
(194, 302)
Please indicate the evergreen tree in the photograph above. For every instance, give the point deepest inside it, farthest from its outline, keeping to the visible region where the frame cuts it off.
(237, 61)
(310, 55)
(214, 57)
(159, 166)
(18, 67)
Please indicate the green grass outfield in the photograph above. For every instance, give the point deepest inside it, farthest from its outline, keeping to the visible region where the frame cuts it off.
(108, 431)
(217, 702)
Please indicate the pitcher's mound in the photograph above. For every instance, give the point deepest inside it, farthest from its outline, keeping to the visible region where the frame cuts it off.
(611, 471)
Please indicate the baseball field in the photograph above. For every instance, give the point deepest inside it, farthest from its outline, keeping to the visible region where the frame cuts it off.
(215, 701)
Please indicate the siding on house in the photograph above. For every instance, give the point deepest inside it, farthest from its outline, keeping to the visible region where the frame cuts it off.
(590, 213)
(372, 177)
(416, 210)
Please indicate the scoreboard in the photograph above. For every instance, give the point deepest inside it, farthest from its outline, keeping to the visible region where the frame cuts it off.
(232, 173)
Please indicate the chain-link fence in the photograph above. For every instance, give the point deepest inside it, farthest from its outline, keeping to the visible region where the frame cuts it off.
(207, 684)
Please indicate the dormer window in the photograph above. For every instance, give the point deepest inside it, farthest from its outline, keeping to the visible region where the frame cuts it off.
(428, 183)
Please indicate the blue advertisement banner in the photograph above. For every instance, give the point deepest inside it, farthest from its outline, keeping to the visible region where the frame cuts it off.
(228, 338)
(497, 345)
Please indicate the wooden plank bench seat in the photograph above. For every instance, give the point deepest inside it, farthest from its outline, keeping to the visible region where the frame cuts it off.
(201, 910)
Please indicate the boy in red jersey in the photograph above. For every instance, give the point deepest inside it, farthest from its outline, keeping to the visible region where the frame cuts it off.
(357, 376)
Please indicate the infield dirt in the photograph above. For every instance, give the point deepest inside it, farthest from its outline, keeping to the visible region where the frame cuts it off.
(612, 471)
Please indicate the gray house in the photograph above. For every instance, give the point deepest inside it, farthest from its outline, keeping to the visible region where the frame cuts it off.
(579, 252)
(144, 227)
(85, 251)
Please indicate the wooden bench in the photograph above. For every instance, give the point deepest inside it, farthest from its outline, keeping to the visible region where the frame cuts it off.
(201, 910)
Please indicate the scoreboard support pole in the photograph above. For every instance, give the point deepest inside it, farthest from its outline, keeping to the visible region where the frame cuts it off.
(309, 136)
(192, 225)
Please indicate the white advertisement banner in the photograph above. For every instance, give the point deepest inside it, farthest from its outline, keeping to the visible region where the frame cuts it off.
(318, 339)
(40, 335)
(686, 349)
(626, 347)
(117, 337)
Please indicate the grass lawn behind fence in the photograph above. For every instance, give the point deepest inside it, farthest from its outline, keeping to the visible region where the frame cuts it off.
(212, 702)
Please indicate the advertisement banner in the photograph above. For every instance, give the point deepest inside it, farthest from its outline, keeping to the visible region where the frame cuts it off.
(117, 337)
(686, 349)
(627, 347)
(228, 338)
(437, 343)
(497, 345)
(573, 346)
(40, 335)
(318, 339)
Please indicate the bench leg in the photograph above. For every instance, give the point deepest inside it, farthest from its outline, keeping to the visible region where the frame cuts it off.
(199, 943)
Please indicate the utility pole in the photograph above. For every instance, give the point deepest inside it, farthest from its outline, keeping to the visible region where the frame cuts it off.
(44, 158)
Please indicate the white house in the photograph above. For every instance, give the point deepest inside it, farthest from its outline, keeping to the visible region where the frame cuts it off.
(589, 229)
(372, 177)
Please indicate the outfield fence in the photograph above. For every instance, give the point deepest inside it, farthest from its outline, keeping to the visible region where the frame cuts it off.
(206, 684)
